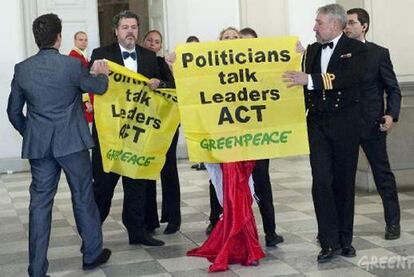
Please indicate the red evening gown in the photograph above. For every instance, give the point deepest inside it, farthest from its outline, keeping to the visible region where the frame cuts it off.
(234, 239)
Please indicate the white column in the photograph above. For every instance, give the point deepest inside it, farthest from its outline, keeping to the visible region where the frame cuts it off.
(13, 32)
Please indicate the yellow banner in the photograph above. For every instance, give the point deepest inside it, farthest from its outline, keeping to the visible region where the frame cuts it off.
(233, 103)
(135, 124)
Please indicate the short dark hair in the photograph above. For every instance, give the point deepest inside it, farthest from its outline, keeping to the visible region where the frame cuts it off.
(123, 14)
(192, 39)
(46, 29)
(363, 16)
(248, 31)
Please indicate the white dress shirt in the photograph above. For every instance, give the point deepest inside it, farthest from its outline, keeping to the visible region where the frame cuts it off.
(129, 62)
(326, 55)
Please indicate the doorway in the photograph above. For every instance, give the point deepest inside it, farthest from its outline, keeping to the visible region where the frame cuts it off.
(107, 9)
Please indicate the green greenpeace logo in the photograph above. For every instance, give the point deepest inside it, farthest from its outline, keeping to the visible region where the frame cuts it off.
(256, 139)
(128, 157)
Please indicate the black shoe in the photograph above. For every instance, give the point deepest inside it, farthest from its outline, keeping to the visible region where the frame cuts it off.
(348, 251)
(201, 166)
(102, 258)
(273, 240)
(146, 239)
(195, 166)
(392, 232)
(326, 255)
(171, 228)
(210, 228)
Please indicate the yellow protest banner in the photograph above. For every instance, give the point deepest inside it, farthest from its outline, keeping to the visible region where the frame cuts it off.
(135, 124)
(233, 103)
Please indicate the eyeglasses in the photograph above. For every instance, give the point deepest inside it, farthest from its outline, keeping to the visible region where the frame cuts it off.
(351, 22)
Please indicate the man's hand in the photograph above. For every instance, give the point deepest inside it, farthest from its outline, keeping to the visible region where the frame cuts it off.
(154, 83)
(388, 124)
(299, 47)
(170, 58)
(99, 67)
(88, 107)
(295, 78)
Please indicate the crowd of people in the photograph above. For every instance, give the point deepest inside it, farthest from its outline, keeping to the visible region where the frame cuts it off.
(344, 79)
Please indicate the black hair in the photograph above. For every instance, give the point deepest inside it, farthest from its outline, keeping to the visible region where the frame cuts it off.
(192, 39)
(123, 14)
(363, 16)
(248, 31)
(46, 29)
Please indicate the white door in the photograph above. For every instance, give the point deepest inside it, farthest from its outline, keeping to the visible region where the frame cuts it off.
(156, 17)
(76, 15)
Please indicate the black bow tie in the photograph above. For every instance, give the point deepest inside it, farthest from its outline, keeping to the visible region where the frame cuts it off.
(330, 44)
(126, 55)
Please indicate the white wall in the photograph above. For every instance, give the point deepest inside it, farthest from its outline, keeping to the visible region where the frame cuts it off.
(202, 18)
(11, 15)
(301, 18)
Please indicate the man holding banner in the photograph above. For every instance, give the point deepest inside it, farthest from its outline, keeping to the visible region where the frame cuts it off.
(125, 52)
(333, 71)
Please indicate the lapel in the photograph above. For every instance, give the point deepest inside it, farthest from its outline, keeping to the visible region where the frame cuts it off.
(140, 63)
(340, 49)
(116, 54)
(313, 56)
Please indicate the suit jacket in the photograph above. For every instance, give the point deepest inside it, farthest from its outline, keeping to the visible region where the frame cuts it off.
(146, 59)
(379, 78)
(339, 87)
(51, 85)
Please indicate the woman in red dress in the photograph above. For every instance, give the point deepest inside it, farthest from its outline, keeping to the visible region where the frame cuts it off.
(234, 239)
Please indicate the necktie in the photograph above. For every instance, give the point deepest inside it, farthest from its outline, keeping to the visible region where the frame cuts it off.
(330, 44)
(126, 55)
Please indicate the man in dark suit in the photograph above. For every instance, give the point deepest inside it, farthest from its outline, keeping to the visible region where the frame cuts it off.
(56, 137)
(332, 75)
(125, 52)
(376, 119)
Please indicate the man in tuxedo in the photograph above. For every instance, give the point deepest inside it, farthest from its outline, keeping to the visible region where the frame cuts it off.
(378, 119)
(127, 53)
(332, 75)
(56, 137)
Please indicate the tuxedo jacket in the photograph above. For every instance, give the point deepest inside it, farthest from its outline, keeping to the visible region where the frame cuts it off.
(146, 59)
(379, 78)
(339, 87)
(51, 85)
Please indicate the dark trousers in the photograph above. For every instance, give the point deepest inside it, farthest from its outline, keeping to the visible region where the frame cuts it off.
(170, 185)
(334, 143)
(133, 212)
(263, 190)
(45, 179)
(376, 151)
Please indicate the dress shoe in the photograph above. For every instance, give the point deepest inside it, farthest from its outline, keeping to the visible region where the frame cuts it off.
(201, 166)
(171, 228)
(146, 239)
(273, 239)
(194, 166)
(348, 251)
(210, 228)
(101, 259)
(326, 255)
(392, 232)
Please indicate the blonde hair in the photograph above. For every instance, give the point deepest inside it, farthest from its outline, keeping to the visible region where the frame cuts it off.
(228, 29)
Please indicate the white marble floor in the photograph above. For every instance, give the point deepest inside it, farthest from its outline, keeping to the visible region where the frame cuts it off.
(294, 216)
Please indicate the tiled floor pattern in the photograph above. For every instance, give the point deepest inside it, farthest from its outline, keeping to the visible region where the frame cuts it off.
(294, 215)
